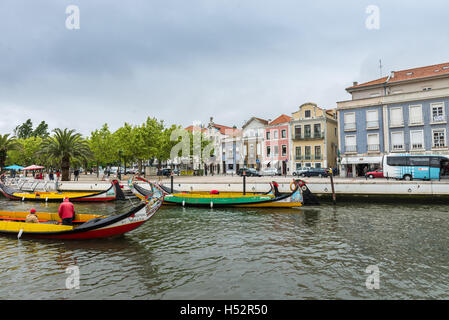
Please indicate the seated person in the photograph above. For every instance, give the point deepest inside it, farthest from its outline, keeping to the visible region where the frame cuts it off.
(32, 217)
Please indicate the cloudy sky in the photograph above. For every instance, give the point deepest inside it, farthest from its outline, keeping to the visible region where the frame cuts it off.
(184, 61)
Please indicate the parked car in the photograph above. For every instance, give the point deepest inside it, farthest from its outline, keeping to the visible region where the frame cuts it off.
(250, 172)
(378, 173)
(164, 172)
(271, 172)
(316, 172)
(300, 171)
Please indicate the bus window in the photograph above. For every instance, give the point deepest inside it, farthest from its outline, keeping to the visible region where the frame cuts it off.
(397, 161)
(435, 162)
(419, 161)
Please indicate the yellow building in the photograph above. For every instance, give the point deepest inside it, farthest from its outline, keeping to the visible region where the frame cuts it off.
(314, 140)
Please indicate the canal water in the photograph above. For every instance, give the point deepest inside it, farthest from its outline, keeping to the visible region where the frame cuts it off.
(321, 252)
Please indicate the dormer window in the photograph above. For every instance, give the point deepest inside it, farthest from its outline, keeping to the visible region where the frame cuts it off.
(307, 114)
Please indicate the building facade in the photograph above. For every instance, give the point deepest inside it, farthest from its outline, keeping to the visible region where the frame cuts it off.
(314, 137)
(252, 142)
(406, 112)
(277, 144)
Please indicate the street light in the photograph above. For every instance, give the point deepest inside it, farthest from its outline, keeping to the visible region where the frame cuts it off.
(120, 165)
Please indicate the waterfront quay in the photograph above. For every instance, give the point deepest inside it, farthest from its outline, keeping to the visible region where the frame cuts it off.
(345, 188)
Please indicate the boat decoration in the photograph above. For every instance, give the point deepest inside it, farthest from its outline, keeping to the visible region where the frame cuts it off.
(114, 192)
(85, 226)
(300, 195)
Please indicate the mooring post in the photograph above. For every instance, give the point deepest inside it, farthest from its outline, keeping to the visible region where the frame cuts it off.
(171, 182)
(334, 200)
(244, 182)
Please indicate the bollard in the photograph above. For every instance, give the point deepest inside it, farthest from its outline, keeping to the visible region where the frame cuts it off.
(244, 182)
(334, 200)
(171, 182)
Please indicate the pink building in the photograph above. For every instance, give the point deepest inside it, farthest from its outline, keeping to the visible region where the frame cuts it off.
(277, 149)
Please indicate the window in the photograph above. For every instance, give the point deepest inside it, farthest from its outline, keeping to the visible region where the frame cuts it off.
(349, 119)
(268, 151)
(284, 150)
(297, 132)
(307, 131)
(308, 153)
(397, 161)
(258, 148)
(417, 139)
(373, 142)
(276, 150)
(350, 144)
(307, 114)
(397, 140)
(251, 151)
(317, 130)
(372, 119)
(415, 115)
(335, 131)
(317, 152)
(439, 138)
(276, 134)
(437, 112)
(284, 133)
(419, 161)
(298, 153)
(396, 117)
(268, 135)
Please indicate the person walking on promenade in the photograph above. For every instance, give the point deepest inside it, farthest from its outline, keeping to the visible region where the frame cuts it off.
(66, 212)
(76, 174)
(32, 217)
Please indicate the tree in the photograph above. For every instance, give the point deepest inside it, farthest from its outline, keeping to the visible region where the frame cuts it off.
(27, 153)
(25, 130)
(103, 146)
(6, 144)
(66, 145)
(41, 130)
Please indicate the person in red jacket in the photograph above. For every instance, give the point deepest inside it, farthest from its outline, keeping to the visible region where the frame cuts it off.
(66, 212)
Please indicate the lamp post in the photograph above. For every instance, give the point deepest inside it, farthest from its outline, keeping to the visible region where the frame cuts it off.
(119, 165)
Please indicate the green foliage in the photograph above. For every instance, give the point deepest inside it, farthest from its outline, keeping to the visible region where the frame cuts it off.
(7, 144)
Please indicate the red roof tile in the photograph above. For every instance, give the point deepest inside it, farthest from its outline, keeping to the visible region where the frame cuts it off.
(281, 119)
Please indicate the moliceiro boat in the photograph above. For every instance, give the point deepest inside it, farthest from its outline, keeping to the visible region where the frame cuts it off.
(114, 192)
(300, 195)
(86, 226)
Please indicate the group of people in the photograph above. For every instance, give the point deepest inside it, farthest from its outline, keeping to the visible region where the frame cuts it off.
(66, 212)
(51, 176)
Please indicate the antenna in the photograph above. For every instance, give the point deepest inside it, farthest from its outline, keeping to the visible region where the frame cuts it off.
(380, 67)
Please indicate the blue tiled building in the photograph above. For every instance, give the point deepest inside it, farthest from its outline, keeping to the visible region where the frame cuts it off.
(406, 112)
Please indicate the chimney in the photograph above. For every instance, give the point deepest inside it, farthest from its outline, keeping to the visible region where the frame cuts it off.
(355, 83)
(392, 74)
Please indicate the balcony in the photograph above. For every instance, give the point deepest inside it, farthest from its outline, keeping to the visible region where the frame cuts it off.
(350, 126)
(372, 124)
(308, 136)
(438, 119)
(396, 123)
(417, 146)
(373, 148)
(397, 147)
(349, 149)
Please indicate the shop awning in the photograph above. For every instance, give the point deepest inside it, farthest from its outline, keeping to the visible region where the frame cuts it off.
(360, 160)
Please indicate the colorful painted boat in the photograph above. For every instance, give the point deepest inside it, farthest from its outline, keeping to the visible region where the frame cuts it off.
(114, 192)
(85, 226)
(274, 199)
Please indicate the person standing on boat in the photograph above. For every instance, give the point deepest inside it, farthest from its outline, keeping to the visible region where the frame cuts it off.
(66, 212)
(32, 217)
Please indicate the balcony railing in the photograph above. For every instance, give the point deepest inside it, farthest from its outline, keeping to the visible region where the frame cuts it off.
(372, 124)
(397, 123)
(350, 148)
(317, 157)
(373, 147)
(298, 157)
(308, 157)
(399, 146)
(350, 126)
(415, 120)
(308, 136)
(417, 146)
(439, 118)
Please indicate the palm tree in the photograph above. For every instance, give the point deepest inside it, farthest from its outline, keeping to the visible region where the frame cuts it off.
(66, 145)
(6, 143)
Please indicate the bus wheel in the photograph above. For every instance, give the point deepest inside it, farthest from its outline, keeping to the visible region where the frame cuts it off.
(407, 177)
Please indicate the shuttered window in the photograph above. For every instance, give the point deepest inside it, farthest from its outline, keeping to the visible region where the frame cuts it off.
(373, 142)
(417, 139)
(415, 114)
(350, 144)
(349, 119)
(396, 118)
(372, 119)
(397, 140)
